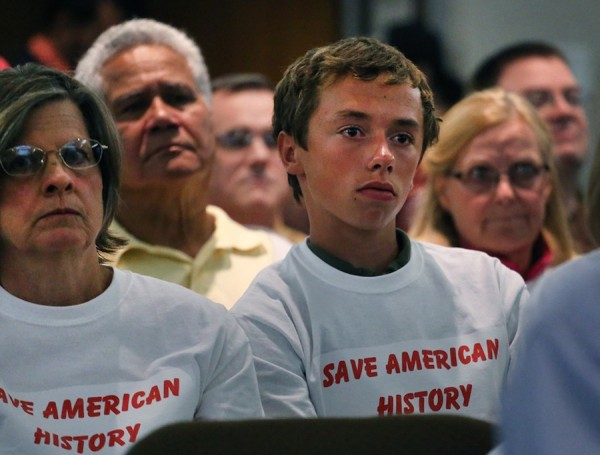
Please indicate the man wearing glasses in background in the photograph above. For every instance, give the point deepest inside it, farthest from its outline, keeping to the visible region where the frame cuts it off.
(248, 180)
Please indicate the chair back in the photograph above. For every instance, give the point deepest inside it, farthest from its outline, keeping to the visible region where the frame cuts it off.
(414, 434)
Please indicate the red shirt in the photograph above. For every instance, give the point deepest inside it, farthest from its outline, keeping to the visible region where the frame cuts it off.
(541, 259)
(3, 64)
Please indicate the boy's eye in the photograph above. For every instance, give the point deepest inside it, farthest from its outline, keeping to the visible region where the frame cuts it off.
(403, 138)
(351, 131)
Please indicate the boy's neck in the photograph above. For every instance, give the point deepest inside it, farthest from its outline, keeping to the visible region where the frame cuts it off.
(361, 249)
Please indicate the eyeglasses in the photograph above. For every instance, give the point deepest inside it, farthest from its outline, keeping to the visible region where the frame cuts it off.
(240, 138)
(25, 160)
(541, 98)
(484, 179)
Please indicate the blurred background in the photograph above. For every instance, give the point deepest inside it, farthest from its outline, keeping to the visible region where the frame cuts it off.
(451, 37)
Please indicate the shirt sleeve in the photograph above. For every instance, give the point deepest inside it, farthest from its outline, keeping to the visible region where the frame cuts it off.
(232, 392)
(515, 296)
(278, 357)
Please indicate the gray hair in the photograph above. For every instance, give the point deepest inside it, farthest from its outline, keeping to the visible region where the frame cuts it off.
(137, 32)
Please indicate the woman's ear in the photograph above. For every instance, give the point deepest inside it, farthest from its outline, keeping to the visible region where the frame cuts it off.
(439, 186)
(289, 151)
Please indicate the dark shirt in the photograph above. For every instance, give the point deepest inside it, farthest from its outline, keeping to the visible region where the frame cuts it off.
(399, 261)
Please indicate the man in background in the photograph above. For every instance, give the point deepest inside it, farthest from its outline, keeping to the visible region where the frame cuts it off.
(156, 84)
(248, 179)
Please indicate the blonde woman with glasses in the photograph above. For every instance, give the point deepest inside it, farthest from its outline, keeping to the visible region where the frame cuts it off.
(493, 185)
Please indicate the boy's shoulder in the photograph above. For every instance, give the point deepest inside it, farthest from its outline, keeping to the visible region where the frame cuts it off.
(452, 253)
(465, 265)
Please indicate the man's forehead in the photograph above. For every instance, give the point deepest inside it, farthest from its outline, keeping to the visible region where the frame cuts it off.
(536, 73)
(245, 96)
(252, 108)
(145, 65)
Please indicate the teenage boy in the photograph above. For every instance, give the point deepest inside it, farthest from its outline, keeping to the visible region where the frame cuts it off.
(360, 320)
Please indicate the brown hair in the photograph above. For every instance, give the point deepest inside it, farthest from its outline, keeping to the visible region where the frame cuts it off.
(297, 94)
(24, 88)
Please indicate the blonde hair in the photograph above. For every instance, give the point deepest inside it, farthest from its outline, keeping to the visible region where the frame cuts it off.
(461, 124)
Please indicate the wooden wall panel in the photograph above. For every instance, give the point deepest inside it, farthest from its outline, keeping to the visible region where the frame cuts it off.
(253, 35)
(235, 35)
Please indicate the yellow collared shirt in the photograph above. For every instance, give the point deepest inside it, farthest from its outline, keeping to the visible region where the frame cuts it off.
(223, 268)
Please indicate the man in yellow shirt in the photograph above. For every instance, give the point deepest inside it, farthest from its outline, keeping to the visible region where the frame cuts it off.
(248, 180)
(156, 84)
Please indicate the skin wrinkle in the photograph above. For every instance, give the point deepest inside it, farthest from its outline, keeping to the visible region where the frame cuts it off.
(31, 240)
(507, 220)
(169, 146)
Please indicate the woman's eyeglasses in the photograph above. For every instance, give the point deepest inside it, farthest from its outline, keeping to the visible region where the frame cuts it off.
(241, 138)
(484, 179)
(25, 160)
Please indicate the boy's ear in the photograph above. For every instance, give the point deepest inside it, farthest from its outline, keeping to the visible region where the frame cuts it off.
(288, 151)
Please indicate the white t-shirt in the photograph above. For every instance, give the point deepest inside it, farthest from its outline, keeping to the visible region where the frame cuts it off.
(96, 377)
(433, 336)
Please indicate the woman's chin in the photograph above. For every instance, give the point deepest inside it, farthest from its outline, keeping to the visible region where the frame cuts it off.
(63, 240)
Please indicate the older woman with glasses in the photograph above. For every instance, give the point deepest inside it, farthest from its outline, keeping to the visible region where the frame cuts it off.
(92, 358)
(493, 186)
